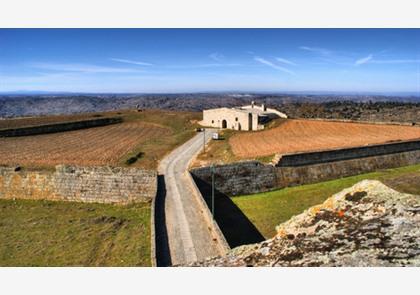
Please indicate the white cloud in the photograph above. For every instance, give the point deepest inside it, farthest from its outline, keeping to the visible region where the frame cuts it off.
(322, 51)
(363, 60)
(133, 62)
(216, 56)
(81, 68)
(369, 59)
(396, 61)
(209, 65)
(274, 66)
(285, 61)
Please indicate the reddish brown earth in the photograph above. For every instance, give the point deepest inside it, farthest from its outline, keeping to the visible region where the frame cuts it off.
(94, 146)
(307, 135)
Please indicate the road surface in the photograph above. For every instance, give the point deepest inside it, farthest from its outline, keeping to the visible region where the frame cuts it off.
(188, 236)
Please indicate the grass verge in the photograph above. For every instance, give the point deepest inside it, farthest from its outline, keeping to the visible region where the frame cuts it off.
(220, 152)
(266, 210)
(182, 126)
(46, 233)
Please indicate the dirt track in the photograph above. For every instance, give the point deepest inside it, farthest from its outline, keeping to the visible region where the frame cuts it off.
(306, 135)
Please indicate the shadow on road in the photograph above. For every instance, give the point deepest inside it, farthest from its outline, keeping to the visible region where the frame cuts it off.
(236, 227)
(163, 256)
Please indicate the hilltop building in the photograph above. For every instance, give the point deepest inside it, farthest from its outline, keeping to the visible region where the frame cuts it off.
(250, 117)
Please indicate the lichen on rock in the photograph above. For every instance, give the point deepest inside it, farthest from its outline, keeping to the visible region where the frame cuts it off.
(368, 224)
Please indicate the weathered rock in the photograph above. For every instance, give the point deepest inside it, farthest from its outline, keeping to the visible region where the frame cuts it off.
(368, 224)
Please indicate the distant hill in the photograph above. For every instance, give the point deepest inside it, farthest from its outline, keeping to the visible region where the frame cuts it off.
(20, 104)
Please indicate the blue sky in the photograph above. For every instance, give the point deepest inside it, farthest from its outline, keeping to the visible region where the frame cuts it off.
(189, 60)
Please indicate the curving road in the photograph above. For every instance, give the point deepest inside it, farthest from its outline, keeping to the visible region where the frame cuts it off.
(187, 235)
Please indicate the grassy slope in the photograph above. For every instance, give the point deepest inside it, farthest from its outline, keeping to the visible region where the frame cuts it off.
(182, 125)
(266, 210)
(220, 151)
(45, 233)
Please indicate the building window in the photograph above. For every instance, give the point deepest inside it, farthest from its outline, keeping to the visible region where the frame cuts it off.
(236, 119)
(212, 121)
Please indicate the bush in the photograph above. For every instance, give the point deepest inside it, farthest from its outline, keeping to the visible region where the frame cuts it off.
(133, 159)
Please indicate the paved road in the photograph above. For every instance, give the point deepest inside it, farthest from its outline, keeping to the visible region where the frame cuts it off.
(187, 234)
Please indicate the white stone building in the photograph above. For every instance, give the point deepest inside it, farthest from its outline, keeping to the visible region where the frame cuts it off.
(250, 117)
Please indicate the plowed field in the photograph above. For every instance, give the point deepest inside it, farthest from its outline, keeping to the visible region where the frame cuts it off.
(94, 146)
(306, 135)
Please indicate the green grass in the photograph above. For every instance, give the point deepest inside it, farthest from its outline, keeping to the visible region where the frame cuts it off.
(45, 233)
(266, 210)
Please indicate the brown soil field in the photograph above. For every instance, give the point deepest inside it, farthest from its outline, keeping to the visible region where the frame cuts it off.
(94, 146)
(309, 135)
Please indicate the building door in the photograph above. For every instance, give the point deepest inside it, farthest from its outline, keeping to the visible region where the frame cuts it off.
(224, 124)
(249, 121)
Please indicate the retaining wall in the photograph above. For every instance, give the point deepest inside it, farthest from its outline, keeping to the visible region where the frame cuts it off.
(58, 127)
(211, 222)
(309, 158)
(253, 177)
(82, 184)
(240, 178)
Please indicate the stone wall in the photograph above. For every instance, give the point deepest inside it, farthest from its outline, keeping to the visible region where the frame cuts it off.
(59, 127)
(253, 177)
(309, 158)
(82, 184)
(240, 178)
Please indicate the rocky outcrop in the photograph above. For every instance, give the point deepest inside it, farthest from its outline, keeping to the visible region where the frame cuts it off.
(368, 224)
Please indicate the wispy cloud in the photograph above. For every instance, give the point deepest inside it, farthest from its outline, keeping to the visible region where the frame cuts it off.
(274, 66)
(133, 62)
(216, 56)
(318, 50)
(363, 60)
(396, 61)
(204, 65)
(81, 68)
(285, 61)
(369, 59)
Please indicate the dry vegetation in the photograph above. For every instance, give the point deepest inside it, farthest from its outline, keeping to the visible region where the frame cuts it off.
(307, 135)
(151, 134)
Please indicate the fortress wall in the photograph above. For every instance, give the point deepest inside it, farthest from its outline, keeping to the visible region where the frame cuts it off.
(59, 127)
(81, 184)
(372, 122)
(253, 177)
(309, 158)
(291, 176)
(239, 178)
